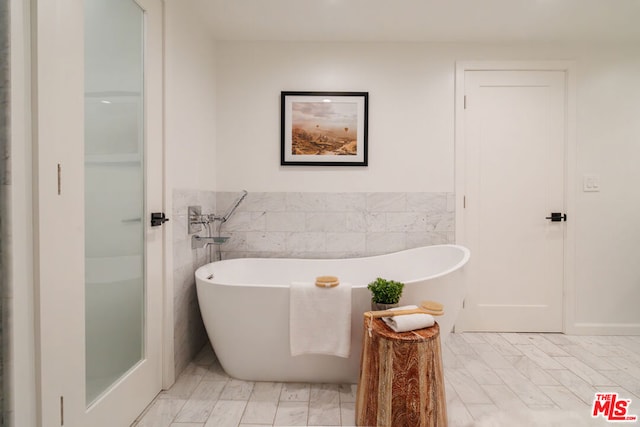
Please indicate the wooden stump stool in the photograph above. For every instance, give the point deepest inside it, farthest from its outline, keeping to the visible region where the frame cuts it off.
(401, 381)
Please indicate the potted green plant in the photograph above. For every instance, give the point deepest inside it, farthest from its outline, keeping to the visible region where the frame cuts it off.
(385, 293)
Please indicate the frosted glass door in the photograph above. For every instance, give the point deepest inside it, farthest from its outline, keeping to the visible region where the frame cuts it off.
(114, 192)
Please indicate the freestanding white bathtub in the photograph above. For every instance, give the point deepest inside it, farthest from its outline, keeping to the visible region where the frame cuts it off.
(245, 307)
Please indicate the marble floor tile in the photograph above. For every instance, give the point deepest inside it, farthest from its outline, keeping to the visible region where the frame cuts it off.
(515, 338)
(182, 388)
(266, 391)
(479, 370)
(323, 413)
(200, 404)
(348, 393)
(295, 392)
(260, 412)
(533, 372)
(237, 390)
(187, 425)
(563, 397)
(504, 398)
(292, 414)
(530, 394)
(325, 393)
(348, 414)
(596, 362)
(585, 372)
(538, 356)
(226, 413)
(464, 385)
(501, 344)
(478, 411)
(577, 385)
(542, 343)
(473, 338)
(161, 413)
(459, 345)
(539, 376)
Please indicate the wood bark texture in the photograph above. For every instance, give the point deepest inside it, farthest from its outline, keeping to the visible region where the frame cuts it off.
(401, 379)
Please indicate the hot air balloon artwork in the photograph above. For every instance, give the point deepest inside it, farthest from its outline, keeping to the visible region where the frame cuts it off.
(323, 128)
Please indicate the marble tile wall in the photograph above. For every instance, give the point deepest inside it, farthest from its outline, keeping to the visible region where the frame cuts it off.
(189, 332)
(4, 206)
(334, 225)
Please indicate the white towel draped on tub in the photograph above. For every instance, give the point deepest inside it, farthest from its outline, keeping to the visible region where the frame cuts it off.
(409, 322)
(320, 319)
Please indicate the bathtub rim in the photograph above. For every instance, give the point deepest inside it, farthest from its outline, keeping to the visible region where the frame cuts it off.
(202, 271)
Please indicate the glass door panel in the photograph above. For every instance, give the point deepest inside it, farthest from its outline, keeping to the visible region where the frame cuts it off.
(114, 192)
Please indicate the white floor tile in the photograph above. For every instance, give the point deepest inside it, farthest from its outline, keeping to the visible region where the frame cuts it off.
(348, 393)
(237, 390)
(348, 414)
(292, 414)
(161, 413)
(226, 413)
(295, 392)
(199, 406)
(467, 389)
(266, 391)
(543, 376)
(563, 397)
(260, 412)
(588, 374)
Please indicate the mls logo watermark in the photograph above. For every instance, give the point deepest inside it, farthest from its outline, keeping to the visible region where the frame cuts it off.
(611, 408)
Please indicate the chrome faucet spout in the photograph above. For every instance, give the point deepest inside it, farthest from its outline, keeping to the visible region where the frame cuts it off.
(200, 242)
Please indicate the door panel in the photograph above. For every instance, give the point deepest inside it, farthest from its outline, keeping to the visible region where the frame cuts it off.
(98, 256)
(514, 167)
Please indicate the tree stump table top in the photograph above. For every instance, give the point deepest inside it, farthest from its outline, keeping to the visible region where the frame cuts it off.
(379, 328)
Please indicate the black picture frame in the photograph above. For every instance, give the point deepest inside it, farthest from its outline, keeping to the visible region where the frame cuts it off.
(324, 128)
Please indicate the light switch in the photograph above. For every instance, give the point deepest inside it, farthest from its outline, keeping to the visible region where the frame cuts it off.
(591, 183)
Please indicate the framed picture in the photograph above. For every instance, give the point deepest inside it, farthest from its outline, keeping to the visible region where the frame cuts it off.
(324, 128)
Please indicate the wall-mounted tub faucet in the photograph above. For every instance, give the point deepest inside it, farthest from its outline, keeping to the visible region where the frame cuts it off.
(197, 219)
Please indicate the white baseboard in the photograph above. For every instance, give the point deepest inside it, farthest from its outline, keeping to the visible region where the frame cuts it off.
(604, 329)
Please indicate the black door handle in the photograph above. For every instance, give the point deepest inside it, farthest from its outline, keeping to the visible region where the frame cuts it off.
(158, 218)
(557, 217)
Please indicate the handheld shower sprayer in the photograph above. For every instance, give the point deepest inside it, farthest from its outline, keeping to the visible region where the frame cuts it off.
(233, 208)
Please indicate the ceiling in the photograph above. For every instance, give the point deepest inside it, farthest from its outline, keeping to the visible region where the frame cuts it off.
(485, 21)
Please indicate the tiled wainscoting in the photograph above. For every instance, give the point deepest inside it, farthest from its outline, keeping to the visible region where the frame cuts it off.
(335, 225)
(301, 225)
(189, 333)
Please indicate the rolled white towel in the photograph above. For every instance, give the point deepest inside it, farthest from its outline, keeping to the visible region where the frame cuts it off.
(409, 322)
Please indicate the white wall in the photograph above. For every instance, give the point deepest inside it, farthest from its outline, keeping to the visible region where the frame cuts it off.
(189, 93)
(190, 155)
(608, 227)
(411, 139)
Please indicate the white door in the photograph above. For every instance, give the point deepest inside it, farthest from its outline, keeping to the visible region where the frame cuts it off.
(99, 154)
(514, 162)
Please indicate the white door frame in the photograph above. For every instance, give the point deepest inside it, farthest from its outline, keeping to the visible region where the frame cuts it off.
(569, 305)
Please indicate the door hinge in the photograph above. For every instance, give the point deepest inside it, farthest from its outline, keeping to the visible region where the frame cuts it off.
(59, 179)
(464, 202)
(61, 410)
(465, 102)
